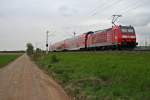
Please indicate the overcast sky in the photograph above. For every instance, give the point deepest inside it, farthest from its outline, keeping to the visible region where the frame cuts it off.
(23, 21)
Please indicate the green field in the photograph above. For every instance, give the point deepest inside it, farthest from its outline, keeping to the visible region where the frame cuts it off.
(6, 58)
(101, 75)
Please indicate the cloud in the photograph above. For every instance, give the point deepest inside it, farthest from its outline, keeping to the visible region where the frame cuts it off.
(28, 20)
(138, 19)
(67, 11)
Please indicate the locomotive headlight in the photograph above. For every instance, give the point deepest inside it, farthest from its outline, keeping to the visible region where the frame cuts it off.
(124, 36)
(132, 37)
(116, 37)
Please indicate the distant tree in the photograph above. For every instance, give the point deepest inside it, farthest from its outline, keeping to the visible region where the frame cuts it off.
(37, 54)
(30, 49)
(38, 51)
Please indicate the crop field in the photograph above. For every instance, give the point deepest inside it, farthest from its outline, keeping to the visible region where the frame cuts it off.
(6, 58)
(101, 75)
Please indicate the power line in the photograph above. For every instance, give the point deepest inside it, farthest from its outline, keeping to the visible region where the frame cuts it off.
(106, 7)
(132, 6)
(136, 5)
(121, 8)
(102, 5)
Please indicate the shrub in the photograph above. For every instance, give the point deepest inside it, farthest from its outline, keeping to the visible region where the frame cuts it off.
(54, 59)
(30, 49)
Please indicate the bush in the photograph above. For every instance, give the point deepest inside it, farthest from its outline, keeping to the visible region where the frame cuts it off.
(54, 59)
(30, 49)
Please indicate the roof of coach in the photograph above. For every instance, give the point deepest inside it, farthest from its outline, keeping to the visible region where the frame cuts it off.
(103, 30)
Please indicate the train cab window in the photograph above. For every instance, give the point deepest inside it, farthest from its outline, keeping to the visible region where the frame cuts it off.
(124, 30)
(131, 30)
(127, 30)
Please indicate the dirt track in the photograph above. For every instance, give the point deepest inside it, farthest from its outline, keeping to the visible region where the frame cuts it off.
(23, 80)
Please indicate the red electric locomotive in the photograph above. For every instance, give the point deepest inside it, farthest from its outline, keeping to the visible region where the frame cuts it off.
(117, 37)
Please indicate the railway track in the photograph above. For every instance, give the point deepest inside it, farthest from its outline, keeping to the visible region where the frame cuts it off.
(136, 49)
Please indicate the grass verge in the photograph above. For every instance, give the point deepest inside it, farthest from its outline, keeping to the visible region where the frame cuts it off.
(101, 75)
(7, 58)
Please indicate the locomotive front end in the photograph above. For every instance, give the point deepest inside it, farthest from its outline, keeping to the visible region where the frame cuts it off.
(128, 37)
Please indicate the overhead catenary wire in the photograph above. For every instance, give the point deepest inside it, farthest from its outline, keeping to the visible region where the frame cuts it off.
(129, 7)
(136, 5)
(95, 8)
(106, 7)
(120, 10)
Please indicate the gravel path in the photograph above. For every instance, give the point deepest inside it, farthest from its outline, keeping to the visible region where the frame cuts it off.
(23, 80)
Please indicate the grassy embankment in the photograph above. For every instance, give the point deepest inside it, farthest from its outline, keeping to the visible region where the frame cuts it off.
(101, 75)
(6, 58)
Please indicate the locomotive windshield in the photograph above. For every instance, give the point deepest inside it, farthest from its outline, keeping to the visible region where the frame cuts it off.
(127, 29)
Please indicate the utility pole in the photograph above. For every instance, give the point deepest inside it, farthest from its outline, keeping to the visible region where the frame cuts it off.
(47, 41)
(115, 18)
(145, 44)
(149, 42)
(74, 34)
